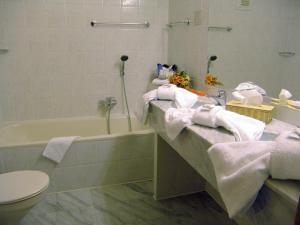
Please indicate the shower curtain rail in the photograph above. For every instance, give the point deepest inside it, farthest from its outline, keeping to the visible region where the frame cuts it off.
(217, 28)
(95, 23)
(185, 22)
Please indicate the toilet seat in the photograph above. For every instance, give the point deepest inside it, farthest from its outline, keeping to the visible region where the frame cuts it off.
(21, 185)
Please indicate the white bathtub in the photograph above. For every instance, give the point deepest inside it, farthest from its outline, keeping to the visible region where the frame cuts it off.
(94, 159)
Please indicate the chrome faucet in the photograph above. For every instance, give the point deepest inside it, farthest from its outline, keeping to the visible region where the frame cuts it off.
(108, 103)
(221, 98)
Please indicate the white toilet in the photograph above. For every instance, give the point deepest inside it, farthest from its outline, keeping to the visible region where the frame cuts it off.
(19, 192)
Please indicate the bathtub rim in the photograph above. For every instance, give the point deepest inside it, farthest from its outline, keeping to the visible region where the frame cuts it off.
(148, 130)
(81, 139)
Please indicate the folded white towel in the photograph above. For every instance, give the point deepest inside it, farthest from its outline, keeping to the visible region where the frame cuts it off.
(185, 98)
(58, 147)
(166, 92)
(176, 120)
(206, 115)
(241, 169)
(285, 159)
(159, 82)
(243, 128)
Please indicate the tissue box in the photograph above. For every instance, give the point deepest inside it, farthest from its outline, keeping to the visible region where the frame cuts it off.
(262, 112)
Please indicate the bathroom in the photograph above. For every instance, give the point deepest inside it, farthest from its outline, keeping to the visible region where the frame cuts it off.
(56, 69)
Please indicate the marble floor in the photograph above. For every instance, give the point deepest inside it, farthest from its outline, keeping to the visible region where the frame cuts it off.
(128, 204)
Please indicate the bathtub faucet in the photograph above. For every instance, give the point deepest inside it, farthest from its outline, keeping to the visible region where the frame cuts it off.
(108, 104)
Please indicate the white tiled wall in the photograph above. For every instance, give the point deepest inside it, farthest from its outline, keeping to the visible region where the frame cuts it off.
(290, 75)
(59, 66)
(188, 44)
(88, 163)
(250, 51)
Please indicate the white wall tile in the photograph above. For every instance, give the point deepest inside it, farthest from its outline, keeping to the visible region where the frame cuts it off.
(250, 51)
(190, 41)
(54, 40)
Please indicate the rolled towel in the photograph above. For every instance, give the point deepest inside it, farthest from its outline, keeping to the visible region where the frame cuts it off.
(58, 147)
(166, 92)
(243, 128)
(206, 115)
(159, 82)
(185, 98)
(285, 159)
(176, 120)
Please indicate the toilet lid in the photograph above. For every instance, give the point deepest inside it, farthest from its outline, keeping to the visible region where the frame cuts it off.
(20, 185)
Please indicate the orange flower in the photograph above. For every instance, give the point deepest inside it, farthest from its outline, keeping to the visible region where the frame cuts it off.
(212, 80)
(180, 80)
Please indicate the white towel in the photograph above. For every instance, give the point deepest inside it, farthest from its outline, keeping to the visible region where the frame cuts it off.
(185, 98)
(206, 115)
(243, 128)
(58, 147)
(241, 169)
(142, 107)
(176, 120)
(182, 98)
(285, 159)
(159, 82)
(166, 92)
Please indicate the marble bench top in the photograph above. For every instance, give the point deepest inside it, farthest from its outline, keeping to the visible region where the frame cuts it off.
(288, 189)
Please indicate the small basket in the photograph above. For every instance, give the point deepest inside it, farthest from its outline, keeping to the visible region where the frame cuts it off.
(262, 112)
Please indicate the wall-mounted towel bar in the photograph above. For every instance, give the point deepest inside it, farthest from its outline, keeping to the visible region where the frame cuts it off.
(145, 24)
(287, 54)
(216, 28)
(185, 22)
(3, 50)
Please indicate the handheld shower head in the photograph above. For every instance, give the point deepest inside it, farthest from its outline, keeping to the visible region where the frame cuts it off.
(124, 58)
(211, 59)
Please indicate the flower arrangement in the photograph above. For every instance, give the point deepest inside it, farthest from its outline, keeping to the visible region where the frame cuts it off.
(212, 80)
(181, 79)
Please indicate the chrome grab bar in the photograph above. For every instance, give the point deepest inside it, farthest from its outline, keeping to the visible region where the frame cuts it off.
(287, 54)
(216, 28)
(95, 23)
(185, 22)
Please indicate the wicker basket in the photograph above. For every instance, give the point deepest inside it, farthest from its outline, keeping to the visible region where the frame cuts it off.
(263, 112)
